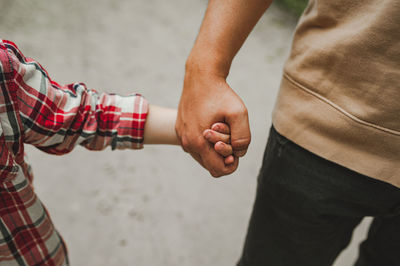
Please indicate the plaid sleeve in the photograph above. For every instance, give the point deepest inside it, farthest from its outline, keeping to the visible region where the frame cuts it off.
(57, 117)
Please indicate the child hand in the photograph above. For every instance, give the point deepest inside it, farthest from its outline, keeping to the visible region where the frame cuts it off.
(219, 135)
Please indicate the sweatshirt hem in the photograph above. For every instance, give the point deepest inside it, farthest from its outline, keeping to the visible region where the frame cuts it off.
(322, 127)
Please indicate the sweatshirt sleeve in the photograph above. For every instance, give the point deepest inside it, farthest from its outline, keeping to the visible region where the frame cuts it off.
(56, 117)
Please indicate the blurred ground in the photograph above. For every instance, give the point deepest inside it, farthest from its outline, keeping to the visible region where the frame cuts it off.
(155, 206)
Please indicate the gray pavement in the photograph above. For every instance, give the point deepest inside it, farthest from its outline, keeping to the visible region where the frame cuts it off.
(155, 206)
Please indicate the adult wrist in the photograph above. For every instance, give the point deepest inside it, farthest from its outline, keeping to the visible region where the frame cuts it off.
(207, 63)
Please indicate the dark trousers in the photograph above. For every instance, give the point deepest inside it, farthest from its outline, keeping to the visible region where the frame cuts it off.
(307, 207)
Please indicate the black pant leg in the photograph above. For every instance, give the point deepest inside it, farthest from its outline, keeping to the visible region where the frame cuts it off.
(306, 207)
(382, 246)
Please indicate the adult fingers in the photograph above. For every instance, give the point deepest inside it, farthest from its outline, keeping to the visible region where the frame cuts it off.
(214, 136)
(215, 164)
(197, 157)
(192, 147)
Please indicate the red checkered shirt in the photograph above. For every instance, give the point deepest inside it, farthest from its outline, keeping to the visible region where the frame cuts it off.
(55, 118)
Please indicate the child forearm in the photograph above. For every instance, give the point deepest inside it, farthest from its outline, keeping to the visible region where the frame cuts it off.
(160, 126)
(160, 129)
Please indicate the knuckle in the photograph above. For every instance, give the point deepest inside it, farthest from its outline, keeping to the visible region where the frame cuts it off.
(245, 111)
(236, 113)
(238, 110)
(191, 144)
(215, 174)
(185, 144)
(229, 170)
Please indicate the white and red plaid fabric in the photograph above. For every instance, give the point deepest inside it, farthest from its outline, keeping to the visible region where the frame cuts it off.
(55, 118)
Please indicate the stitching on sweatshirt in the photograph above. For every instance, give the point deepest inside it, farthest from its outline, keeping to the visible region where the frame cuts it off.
(338, 108)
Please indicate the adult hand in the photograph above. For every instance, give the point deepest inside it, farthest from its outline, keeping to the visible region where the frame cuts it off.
(207, 99)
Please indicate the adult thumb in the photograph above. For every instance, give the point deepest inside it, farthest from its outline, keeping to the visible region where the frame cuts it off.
(240, 131)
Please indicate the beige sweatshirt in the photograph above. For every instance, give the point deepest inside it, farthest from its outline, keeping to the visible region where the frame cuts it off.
(340, 93)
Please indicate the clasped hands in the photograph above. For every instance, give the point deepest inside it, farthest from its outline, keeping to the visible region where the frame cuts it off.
(212, 123)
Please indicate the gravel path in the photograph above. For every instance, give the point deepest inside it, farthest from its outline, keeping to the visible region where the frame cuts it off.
(155, 206)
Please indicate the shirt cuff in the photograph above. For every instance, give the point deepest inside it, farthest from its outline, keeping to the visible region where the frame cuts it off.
(130, 131)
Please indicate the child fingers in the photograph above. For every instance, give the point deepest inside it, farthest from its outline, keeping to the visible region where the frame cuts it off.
(214, 136)
(229, 160)
(221, 128)
(223, 148)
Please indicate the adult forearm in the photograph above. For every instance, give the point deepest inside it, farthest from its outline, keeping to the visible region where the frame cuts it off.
(225, 27)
